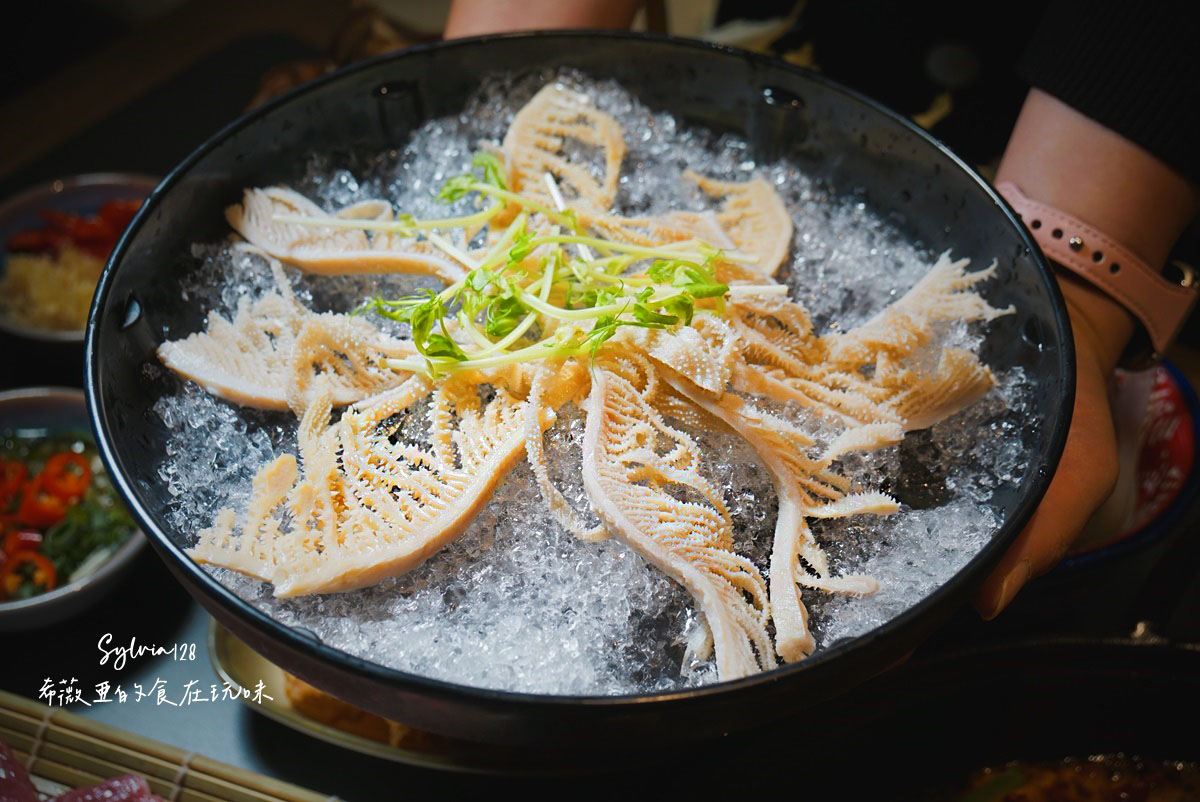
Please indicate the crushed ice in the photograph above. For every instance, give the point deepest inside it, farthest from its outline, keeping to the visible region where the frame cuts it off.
(517, 603)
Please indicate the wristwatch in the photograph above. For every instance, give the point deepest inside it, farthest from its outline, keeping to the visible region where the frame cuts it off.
(1160, 300)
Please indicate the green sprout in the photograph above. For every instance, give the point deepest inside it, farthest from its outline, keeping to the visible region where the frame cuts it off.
(527, 298)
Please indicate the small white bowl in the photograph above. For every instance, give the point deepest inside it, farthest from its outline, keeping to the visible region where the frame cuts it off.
(59, 409)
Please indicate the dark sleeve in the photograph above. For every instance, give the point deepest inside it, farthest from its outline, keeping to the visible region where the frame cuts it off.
(1132, 67)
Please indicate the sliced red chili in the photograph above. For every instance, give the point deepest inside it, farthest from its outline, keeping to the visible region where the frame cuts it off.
(12, 475)
(96, 234)
(98, 250)
(19, 540)
(27, 566)
(38, 240)
(78, 227)
(39, 508)
(119, 213)
(66, 475)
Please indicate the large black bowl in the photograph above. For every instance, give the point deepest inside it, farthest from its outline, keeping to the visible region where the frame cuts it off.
(853, 143)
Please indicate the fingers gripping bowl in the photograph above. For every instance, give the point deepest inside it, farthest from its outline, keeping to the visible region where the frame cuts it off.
(856, 152)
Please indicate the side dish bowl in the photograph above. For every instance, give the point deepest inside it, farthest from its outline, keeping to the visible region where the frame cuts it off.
(80, 195)
(860, 149)
(58, 410)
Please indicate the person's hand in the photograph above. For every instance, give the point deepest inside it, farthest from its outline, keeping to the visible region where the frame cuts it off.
(1060, 157)
(1088, 469)
(476, 17)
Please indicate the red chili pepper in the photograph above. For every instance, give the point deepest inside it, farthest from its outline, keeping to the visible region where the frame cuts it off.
(22, 540)
(12, 577)
(79, 228)
(119, 213)
(97, 234)
(39, 508)
(66, 475)
(38, 240)
(92, 230)
(99, 250)
(12, 475)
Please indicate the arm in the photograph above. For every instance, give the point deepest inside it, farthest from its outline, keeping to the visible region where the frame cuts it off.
(1061, 157)
(475, 17)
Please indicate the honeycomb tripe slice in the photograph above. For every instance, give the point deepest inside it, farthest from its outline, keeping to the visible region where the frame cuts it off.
(329, 249)
(706, 226)
(252, 552)
(553, 383)
(869, 437)
(370, 503)
(541, 139)
(246, 360)
(779, 354)
(345, 352)
(945, 293)
(754, 217)
(805, 487)
(674, 227)
(959, 381)
(650, 232)
(776, 331)
(864, 376)
(268, 355)
(704, 352)
(855, 407)
(647, 232)
(405, 501)
(642, 477)
(268, 543)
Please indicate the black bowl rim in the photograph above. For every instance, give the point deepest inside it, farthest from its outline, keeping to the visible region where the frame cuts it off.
(956, 586)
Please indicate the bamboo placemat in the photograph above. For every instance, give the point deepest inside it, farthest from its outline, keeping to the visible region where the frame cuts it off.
(67, 748)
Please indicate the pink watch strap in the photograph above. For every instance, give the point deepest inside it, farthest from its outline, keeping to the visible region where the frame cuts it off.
(1161, 305)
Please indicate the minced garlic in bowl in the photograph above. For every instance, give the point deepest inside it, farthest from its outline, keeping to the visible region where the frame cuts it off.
(49, 290)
